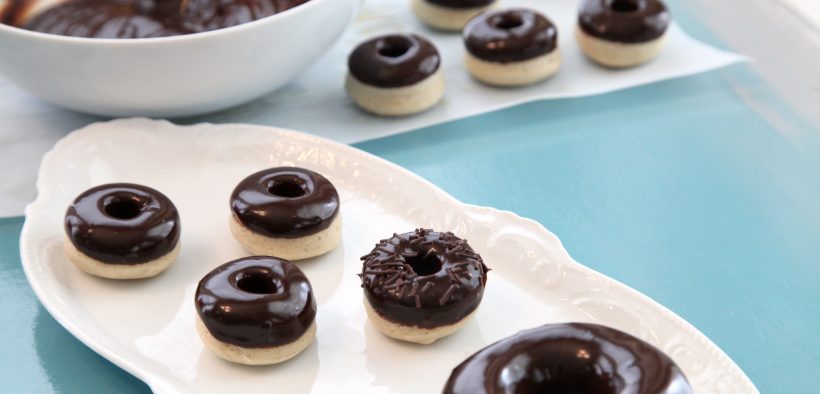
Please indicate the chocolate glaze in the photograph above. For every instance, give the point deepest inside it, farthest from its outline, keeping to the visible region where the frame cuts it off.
(256, 302)
(627, 21)
(123, 223)
(424, 278)
(510, 35)
(462, 3)
(568, 358)
(149, 18)
(13, 13)
(394, 60)
(285, 202)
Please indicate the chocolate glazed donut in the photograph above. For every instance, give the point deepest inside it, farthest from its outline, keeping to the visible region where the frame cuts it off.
(256, 302)
(285, 202)
(626, 21)
(510, 35)
(394, 60)
(569, 358)
(149, 18)
(123, 223)
(424, 278)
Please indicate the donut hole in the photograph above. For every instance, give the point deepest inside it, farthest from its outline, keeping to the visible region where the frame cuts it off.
(424, 264)
(258, 281)
(394, 46)
(507, 21)
(287, 189)
(624, 5)
(123, 209)
(567, 366)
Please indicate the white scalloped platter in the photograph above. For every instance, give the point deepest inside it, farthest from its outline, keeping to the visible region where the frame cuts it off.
(147, 327)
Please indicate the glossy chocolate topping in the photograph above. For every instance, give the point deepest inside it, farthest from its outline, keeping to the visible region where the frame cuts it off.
(510, 35)
(285, 202)
(150, 18)
(424, 278)
(394, 60)
(255, 302)
(462, 3)
(14, 12)
(568, 358)
(627, 21)
(123, 223)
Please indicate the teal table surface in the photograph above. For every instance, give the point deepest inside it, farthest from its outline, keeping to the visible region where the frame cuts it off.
(702, 192)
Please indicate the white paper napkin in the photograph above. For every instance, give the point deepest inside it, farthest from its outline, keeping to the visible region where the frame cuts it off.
(316, 102)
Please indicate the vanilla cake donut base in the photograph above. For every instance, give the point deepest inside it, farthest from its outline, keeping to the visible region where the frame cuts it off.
(289, 248)
(446, 18)
(255, 356)
(518, 73)
(616, 54)
(424, 336)
(405, 100)
(118, 271)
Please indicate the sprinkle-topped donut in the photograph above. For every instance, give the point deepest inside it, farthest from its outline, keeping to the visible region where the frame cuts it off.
(123, 223)
(568, 358)
(510, 35)
(256, 302)
(625, 21)
(423, 278)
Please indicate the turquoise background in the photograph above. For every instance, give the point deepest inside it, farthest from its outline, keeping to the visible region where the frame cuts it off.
(703, 193)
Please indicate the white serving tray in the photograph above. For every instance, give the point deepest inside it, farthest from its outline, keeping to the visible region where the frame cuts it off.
(147, 327)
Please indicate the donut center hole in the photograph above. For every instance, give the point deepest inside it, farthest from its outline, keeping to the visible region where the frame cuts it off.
(394, 46)
(287, 189)
(624, 5)
(574, 368)
(123, 209)
(507, 21)
(258, 282)
(424, 264)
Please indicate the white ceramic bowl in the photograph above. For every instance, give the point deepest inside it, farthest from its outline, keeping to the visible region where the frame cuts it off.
(173, 76)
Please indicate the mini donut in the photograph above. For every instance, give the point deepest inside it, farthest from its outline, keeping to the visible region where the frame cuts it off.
(622, 33)
(287, 212)
(449, 15)
(568, 358)
(395, 75)
(423, 285)
(511, 47)
(256, 310)
(122, 231)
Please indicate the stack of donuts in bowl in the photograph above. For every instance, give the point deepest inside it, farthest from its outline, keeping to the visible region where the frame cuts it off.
(163, 58)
